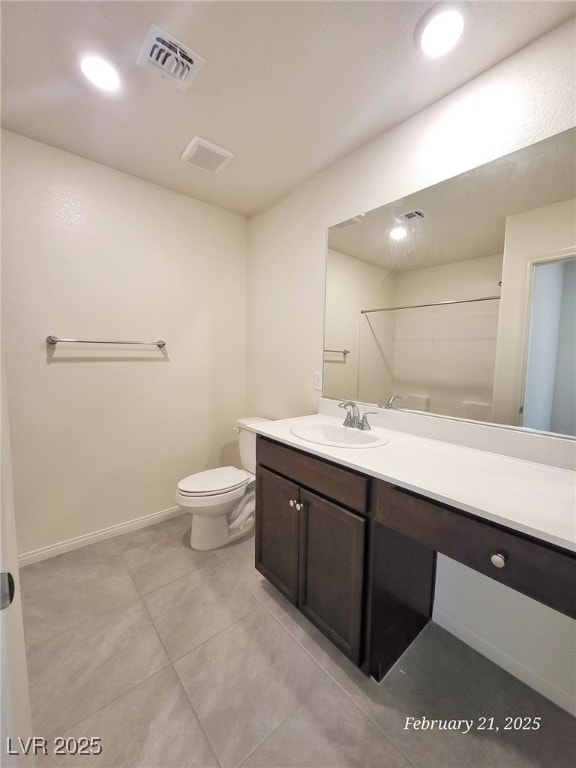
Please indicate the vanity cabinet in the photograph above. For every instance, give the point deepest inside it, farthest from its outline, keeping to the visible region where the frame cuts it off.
(409, 529)
(357, 554)
(540, 571)
(311, 539)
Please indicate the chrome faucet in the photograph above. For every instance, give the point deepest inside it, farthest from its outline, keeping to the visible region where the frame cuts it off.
(364, 423)
(353, 414)
(391, 400)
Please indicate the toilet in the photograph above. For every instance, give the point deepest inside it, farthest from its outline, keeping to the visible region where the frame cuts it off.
(222, 500)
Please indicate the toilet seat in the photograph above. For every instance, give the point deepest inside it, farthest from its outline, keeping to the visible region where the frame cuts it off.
(213, 482)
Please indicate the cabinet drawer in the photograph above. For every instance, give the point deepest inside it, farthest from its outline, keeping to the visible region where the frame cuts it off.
(333, 482)
(537, 570)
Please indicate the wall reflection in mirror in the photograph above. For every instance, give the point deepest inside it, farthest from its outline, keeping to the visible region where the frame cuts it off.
(434, 297)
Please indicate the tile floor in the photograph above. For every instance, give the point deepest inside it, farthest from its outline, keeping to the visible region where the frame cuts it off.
(180, 658)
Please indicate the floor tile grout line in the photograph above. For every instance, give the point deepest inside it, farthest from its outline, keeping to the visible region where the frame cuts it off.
(120, 695)
(265, 739)
(200, 723)
(238, 568)
(82, 623)
(223, 562)
(161, 586)
(146, 543)
(178, 578)
(30, 649)
(171, 662)
(335, 681)
(168, 663)
(208, 639)
(212, 637)
(140, 592)
(290, 713)
(84, 619)
(130, 574)
(187, 695)
(155, 629)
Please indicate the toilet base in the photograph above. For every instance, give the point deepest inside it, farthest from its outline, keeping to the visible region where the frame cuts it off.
(209, 533)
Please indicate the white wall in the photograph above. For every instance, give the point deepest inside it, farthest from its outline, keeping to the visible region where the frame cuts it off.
(351, 285)
(531, 237)
(100, 436)
(526, 98)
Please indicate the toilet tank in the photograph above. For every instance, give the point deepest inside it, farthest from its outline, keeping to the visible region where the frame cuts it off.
(247, 442)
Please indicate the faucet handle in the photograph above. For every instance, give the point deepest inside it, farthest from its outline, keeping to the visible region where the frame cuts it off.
(364, 423)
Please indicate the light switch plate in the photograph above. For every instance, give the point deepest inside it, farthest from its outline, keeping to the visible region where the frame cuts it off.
(318, 381)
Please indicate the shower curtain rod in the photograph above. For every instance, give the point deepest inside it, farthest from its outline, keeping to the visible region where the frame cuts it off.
(435, 304)
(54, 340)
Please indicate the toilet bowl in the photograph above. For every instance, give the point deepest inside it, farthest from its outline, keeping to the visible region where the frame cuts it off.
(222, 500)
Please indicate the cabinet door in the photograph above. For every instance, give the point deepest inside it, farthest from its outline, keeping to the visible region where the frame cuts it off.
(277, 531)
(331, 571)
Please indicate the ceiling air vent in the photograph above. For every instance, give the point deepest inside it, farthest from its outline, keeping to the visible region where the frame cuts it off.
(410, 215)
(166, 56)
(203, 154)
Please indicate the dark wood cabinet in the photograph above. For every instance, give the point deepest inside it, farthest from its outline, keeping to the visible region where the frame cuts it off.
(277, 532)
(408, 531)
(309, 546)
(400, 597)
(357, 555)
(331, 572)
(539, 570)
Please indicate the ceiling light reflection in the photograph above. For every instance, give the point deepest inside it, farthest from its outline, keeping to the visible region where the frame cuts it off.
(398, 233)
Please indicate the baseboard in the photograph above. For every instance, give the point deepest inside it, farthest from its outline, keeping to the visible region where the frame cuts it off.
(484, 646)
(91, 538)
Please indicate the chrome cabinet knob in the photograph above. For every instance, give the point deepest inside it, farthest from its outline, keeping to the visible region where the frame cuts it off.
(292, 502)
(299, 507)
(498, 561)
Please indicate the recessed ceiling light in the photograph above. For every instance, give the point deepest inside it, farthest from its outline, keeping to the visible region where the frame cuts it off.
(398, 233)
(440, 28)
(100, 72)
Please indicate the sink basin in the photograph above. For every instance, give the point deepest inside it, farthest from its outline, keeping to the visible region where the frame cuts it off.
(336, 435)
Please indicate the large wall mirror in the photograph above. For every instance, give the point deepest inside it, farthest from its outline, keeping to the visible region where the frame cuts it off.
(460, 298)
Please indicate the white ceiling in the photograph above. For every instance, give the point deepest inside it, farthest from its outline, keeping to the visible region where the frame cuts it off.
(464, 217)
(288, 87)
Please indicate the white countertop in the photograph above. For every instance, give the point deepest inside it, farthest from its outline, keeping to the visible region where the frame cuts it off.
(535, 499)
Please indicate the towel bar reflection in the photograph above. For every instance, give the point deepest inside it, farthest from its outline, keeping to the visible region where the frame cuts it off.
(54, 340)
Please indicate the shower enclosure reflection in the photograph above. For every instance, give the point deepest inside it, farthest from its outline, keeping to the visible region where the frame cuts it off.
(440, 355)
(440, 312)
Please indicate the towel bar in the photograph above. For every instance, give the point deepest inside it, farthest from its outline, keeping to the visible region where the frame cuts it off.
(54, 340)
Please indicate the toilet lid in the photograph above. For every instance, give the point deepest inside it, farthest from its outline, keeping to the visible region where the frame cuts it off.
(213, 481)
